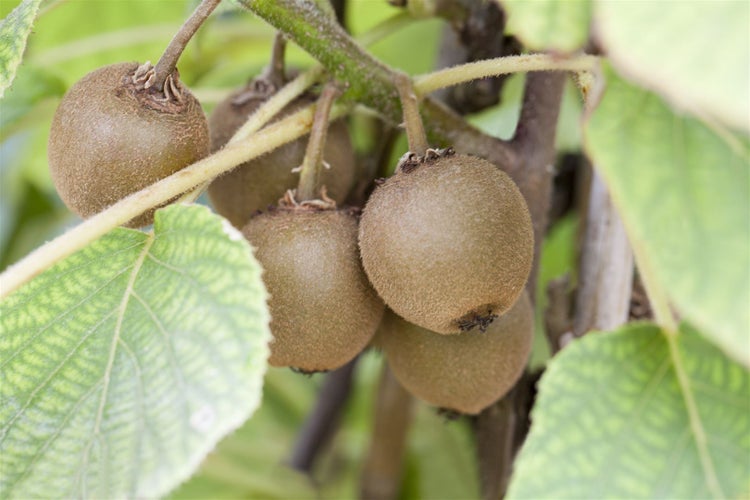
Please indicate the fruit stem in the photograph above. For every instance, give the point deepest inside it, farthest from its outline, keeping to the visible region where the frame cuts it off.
(313, 163)
(275, 71)
(412, 119)
(168, 61)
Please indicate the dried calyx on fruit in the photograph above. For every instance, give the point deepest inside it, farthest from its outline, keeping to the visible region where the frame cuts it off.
(463, 373)
(446, 241)
(261, 182)
(323, 309)
(125, 126)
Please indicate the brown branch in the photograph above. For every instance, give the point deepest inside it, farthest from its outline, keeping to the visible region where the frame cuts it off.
(323, 420)
(381, 475)
(605, 279)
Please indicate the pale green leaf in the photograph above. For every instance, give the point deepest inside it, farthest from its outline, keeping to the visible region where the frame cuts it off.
(124, 364)
(696, 54)
(614, 420)
(683, 191)
(14, 30)
(549, 24)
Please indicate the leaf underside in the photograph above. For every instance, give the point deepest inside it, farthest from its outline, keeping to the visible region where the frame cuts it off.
(683, 190)
(124, 364)
(614, 420)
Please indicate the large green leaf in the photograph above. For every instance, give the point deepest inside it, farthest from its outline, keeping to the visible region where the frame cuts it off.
(14, 30)
(638, 414)
(549, 24)
(696, 54)
(124, 364)
(683, 191)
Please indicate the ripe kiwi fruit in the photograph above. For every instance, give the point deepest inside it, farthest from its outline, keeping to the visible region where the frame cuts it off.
(447, 241)
(111, 138)
(464, 373)
(323, 309)
(261, 182)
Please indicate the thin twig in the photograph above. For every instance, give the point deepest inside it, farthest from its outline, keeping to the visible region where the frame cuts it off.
(172, 53)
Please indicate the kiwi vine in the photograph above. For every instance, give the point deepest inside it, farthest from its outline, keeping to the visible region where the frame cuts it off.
(432, 261)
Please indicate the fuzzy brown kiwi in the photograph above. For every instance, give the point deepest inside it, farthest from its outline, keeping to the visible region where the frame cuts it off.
(463, 373)
(110, 138)
(447, 242)
(261, 182)
(323, 309)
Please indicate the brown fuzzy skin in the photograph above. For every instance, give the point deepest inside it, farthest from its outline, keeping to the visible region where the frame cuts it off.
(323, 309)
(105, 143)
(464, 373)
(447, 241)
(261, 182)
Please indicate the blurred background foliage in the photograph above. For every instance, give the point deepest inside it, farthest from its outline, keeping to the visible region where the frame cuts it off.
(73, 37)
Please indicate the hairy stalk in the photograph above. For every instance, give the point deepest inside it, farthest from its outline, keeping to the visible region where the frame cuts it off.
(381, 474)
(412, 119)
(286, 130)
(168, 61)
(447, 77)
(323, 420)
(312, 165)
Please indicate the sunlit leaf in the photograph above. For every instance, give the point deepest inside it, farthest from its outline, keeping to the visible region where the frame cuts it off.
(549, 24)
(695, 54)
(14, 31)
(124, 364)
(683, 190)
(636, 414)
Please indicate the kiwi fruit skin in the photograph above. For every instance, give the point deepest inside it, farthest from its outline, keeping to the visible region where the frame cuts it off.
(258, 183)
(463, 373)
(449, 244)
(323, 309)
(108, 141)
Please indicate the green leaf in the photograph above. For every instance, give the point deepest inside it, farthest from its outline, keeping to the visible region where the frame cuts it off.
(683, 191)
(695, 54)
(549, 24)
(124, 364)
(638, 414)
(14, 30)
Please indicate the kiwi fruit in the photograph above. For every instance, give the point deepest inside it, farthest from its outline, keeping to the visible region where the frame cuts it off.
(447, 241)
(462, 373)
(323, 309)
(111, 138)
(261, 182)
